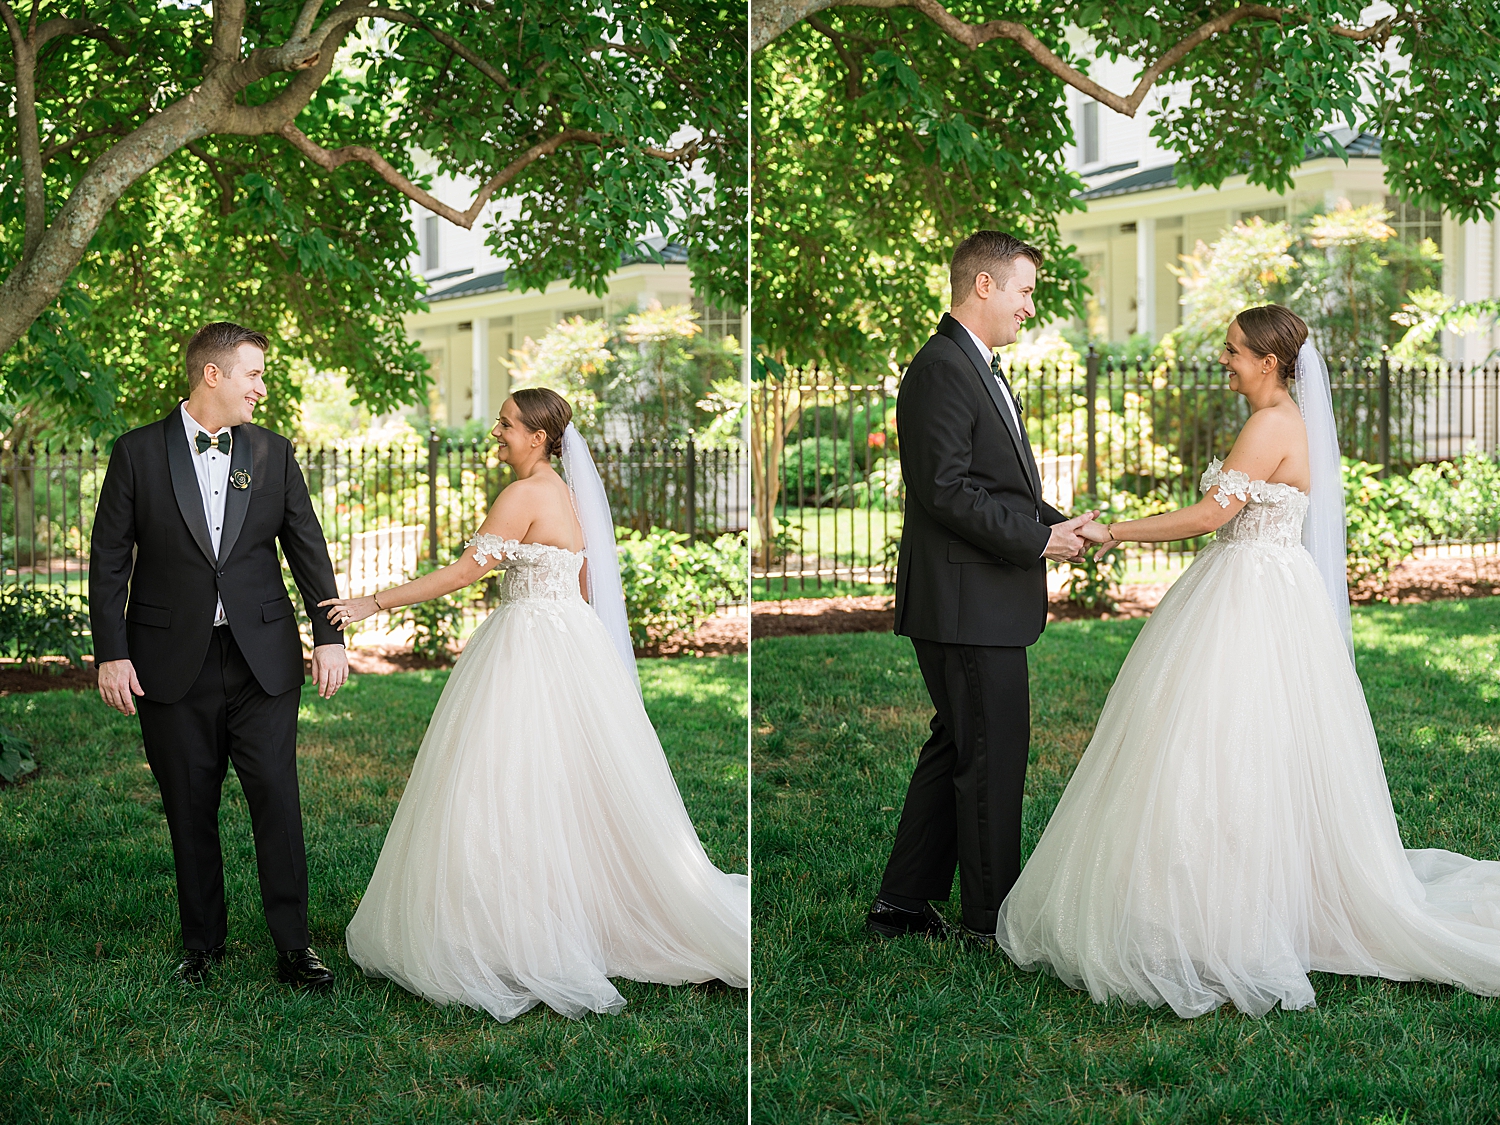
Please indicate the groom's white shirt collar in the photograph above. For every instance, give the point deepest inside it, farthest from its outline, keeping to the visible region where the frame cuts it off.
(984, 349)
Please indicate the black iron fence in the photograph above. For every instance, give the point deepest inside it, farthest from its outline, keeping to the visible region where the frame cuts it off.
(1134, 434)
(384, 509)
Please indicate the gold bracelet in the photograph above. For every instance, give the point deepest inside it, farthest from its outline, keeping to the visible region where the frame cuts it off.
(376, 597)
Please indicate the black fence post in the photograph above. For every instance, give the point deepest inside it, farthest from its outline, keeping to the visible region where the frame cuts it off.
(432, 492)
(1385, 410)
(1090, 391)
(692, 487)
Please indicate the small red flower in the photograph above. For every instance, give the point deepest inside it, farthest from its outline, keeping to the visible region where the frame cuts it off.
(876, 440)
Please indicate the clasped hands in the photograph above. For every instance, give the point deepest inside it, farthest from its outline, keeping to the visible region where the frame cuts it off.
(1072, 538)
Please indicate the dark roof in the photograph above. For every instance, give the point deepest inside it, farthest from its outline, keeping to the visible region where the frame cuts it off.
(671, 254)
(1355, 144)
(1164, 176)
(469, 286)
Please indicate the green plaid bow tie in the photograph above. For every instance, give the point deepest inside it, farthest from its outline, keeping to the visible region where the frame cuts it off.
(223, 441)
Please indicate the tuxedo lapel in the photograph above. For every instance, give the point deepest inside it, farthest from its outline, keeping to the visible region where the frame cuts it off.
(960, 335)
(185, 481)
(237, 500)
(1027, 453)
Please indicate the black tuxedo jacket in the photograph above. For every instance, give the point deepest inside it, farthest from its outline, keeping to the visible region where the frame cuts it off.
(970, 569)
(154, 577)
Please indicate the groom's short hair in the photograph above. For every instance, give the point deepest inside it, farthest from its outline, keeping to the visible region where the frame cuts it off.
(217, 343)
(987, 251)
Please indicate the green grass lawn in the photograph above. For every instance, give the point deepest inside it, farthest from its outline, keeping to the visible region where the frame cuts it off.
(845, 1029)
(93, 1029)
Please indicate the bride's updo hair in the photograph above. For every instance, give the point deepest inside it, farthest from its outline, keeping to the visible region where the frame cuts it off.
(542, 409)
(1275, 330)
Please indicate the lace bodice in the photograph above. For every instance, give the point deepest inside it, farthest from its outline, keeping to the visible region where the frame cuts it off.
(533, 571)
(1272, 515)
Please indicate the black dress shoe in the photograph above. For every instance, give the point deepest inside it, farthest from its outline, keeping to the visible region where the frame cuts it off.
(984, 939)
(302, 968)
(196, 964)
(886, 920)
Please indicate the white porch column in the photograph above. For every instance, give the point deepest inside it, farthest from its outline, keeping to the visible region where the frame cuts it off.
(1145, 276)
(479, 374)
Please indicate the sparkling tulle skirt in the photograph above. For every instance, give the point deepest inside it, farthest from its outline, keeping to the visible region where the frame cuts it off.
(541, 846)
(1229, 828)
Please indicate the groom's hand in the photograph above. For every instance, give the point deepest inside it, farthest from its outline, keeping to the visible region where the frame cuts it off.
(118, 685)
(330, 668)
(1066, 543)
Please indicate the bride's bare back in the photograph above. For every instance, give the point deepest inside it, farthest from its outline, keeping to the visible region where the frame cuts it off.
(537, 509)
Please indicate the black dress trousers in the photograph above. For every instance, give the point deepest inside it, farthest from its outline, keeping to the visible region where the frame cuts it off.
(963, 807)
(226, 716)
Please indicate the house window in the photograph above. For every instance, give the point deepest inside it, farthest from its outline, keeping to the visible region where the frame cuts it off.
(430, 257)
(1089, 150)
(1265, 215)
(716, 322)
(1414, 223)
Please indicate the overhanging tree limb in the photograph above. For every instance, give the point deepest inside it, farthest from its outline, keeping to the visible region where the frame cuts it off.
(329, 160)
(770, 20)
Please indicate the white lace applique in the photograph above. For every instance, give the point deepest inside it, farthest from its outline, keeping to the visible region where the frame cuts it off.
(1232, 482)
(487, 547)
(1273, 512)
(534, 572)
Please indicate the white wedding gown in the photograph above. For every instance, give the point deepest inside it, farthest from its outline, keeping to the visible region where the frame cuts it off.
(1229, 827)
(541, 846)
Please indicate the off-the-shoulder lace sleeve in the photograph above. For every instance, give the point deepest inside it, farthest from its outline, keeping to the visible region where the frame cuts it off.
(487, 547)
(1239, 485)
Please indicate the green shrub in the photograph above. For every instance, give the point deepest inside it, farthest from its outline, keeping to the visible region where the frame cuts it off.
(15, 755)
(672, 584)
(36, 621)
(1458, 500)
(1383, 524)
(436, 623)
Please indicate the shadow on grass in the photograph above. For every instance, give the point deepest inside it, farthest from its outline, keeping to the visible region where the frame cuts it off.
(95, 1030)
(845, 1029)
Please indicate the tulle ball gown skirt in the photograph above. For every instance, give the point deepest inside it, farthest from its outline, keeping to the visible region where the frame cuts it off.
(541, 846)
(1230, 829)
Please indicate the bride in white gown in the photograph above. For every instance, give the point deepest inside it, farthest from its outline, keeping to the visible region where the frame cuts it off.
(541, 846)
(1229, 828)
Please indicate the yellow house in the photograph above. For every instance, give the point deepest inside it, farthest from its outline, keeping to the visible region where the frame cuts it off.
(475, 321)
(1138, 220)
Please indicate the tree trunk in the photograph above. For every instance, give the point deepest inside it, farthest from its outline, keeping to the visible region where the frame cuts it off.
(780, 412)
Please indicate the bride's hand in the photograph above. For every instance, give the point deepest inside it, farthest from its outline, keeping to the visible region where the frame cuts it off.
(346, 611)
(1105, 548)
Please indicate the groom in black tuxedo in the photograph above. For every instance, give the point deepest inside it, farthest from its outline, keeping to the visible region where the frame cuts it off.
(190, 614)
(971, 593)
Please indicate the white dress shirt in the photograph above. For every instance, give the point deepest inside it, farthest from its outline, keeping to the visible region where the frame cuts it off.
(986, 350)
(213, 484)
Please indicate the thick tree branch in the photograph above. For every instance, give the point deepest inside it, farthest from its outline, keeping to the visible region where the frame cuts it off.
(777, 16)
(229, 26)
(29, 138)
(306, 17)
(329, 160)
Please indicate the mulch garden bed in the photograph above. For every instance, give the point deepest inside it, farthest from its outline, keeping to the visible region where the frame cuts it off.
(720, 634)
(1416, 580)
